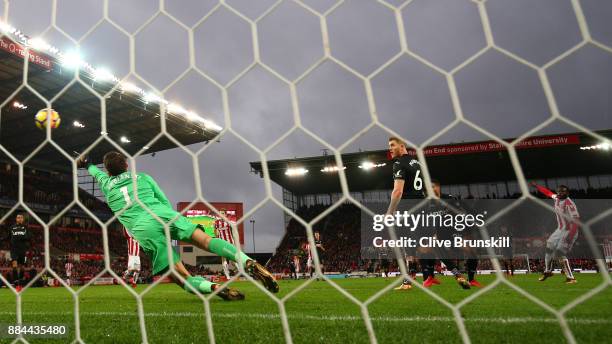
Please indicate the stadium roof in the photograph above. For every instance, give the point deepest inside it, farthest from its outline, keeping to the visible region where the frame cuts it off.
(465, 163)
(132, 114)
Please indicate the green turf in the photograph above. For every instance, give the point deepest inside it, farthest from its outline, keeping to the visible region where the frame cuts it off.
(320, 313)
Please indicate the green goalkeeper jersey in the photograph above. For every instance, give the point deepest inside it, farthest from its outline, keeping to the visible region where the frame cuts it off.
(119, 193)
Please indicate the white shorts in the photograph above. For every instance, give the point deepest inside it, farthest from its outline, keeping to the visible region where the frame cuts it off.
(559, 240)
(133, 263)
(309, 263)
(227, 262)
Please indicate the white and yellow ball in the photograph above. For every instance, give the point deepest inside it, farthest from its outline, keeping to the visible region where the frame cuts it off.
(41, 119)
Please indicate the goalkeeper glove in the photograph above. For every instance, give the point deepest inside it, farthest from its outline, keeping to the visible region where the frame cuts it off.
(82, 162)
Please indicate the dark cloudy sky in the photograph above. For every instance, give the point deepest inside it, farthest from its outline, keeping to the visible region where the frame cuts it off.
(496, 92)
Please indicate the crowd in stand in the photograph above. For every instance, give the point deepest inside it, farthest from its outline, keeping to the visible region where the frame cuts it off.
(338, 231)
(43, 190)
(69, 239)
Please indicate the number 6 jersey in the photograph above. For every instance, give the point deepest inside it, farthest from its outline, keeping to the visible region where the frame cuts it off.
(409, 170)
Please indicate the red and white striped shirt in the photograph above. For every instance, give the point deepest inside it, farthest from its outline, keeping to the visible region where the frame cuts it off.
(307, 249)
(607, 248)
(68, 266)
(132, 244)
(224, 231)
(565, 211)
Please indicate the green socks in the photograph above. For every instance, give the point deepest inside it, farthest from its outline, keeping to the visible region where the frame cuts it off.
(221, 248)
(203, 285)
(224, 249)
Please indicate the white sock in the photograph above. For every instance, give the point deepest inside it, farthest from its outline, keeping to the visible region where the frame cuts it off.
(548, 261)
(135, 277)
(567, 268)
(226, 268)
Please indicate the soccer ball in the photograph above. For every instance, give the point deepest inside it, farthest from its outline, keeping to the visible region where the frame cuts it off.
(41, 119)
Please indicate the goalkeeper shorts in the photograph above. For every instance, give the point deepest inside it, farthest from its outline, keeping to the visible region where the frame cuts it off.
(152, 239)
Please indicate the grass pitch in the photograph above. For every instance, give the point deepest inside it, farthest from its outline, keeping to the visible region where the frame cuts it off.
(320, 313)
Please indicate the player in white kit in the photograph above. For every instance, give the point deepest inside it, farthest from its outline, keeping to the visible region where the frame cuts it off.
(563, 238)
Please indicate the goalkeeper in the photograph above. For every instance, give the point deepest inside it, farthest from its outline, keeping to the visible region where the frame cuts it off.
(118, 189)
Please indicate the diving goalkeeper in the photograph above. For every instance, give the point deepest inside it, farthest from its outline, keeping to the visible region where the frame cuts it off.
(118, 188)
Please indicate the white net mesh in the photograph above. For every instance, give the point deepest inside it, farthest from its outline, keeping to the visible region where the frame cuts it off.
(318, 14)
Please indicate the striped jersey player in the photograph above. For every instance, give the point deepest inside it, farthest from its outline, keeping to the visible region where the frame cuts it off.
(68, 267)
(320, 252)
(296, 261)
(563, 238)
(133, 265)
(309, 262)
(223, 231)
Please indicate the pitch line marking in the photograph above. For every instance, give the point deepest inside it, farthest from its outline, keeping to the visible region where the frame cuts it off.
(267, 316)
